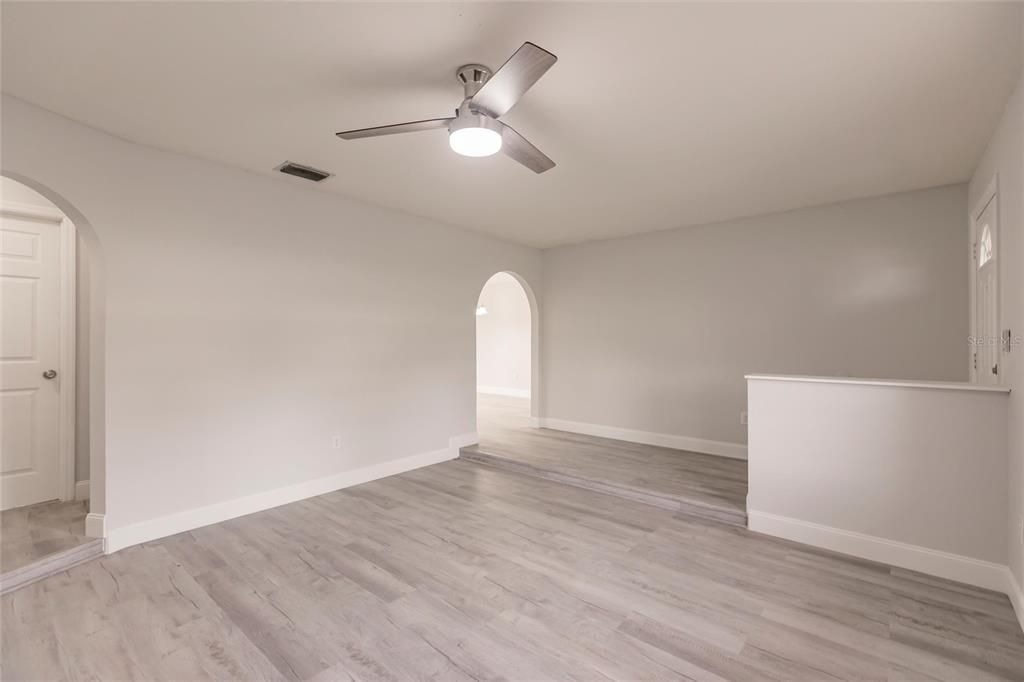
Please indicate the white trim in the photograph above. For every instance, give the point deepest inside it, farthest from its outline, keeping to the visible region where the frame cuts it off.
(46, 213)
(144, 531)
(51, 564)
(990, 194)
(956, 567)
(665, 440)
(936, 385)
(1016, 595)
(95, 525)
(991, 190)
(536, 422)
(82, 490)
(463, 439)
(68, 314)
(498, 390)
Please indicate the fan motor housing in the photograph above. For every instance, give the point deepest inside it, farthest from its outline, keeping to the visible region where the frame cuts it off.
(472, 77)
(467, 118)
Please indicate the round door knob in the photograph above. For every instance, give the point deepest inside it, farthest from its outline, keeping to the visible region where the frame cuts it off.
(50, 374)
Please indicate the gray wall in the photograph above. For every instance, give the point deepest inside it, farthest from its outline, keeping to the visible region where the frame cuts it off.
(249, 320)
(655, 332)
(1004, 160)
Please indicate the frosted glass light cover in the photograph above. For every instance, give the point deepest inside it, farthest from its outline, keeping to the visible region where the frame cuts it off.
(475, 141)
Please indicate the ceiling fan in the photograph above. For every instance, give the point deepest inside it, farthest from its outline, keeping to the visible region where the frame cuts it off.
(475, 129)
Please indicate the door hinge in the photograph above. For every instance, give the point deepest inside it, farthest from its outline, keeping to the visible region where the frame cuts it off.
(995, 368)
(975, 360)
(974, 251)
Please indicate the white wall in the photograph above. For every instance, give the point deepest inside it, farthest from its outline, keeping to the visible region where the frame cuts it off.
(11, 190)
(909, 476)
(1004, 158)
(503, 338)
(655, 332)
(249, 320)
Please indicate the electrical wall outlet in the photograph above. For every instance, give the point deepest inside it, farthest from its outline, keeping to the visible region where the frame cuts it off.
(743, 417)
(1021, 528)
(336, 442)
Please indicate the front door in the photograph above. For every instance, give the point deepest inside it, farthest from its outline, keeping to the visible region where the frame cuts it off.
(30, 271)
(986, 292)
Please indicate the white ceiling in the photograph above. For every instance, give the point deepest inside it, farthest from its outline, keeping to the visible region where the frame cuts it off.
(658, 116)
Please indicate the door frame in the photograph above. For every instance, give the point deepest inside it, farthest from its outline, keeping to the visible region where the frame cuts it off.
(68, 239)
(990, 194)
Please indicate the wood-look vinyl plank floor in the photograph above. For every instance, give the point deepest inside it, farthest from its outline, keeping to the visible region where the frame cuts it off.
(464, 572)
(30, 533)
(675, 479)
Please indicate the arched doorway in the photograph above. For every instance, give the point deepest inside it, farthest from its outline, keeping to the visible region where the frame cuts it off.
(506, 355)
(42, 223)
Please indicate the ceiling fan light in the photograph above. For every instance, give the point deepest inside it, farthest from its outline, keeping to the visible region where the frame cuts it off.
(475, 141)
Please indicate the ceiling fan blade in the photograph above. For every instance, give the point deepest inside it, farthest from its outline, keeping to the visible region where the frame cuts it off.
(411, 127)
(519, 149)
(502, 90)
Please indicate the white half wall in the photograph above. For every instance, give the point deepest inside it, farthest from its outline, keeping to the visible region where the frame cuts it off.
(251, 320)
(654, 333)
(503, 338)
(907, 475)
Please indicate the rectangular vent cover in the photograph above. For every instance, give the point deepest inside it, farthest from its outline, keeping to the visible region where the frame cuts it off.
(301, 171)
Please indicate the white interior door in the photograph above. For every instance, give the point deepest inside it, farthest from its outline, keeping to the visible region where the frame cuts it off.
(986, 293)
(30, 318)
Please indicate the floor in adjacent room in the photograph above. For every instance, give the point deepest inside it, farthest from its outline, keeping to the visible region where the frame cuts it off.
(707, 485)
(28, 534)
(460, 571)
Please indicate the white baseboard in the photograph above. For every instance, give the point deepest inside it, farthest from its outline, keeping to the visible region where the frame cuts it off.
(536, 422)
(95, 525)
(82, 490)
(956, 567)
(145, 531)
(499, 390)
(665, 440)
(1016, 595)
(463, 439)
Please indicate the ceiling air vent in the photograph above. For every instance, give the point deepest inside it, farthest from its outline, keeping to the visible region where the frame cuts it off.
(301, 171)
